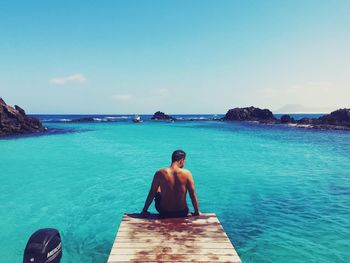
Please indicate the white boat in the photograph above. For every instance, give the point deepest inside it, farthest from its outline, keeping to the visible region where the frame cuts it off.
(137, 119)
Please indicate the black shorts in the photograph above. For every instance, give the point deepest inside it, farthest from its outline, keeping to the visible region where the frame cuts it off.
(168, 214)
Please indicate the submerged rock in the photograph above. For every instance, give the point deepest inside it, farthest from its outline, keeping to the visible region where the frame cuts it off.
(162, 116)
(250, 114)
(14, 120)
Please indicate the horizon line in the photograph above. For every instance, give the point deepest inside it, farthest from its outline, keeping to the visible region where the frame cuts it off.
(165, 113)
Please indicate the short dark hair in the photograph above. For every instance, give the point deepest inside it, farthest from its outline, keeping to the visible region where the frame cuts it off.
(178, 155)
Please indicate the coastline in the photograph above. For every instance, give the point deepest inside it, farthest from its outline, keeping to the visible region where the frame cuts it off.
(103, 118)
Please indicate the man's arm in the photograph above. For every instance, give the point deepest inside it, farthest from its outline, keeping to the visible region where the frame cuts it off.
(152, 192)
(193, 195)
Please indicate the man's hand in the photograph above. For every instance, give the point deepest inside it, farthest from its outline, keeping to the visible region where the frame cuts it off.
(196, 213)
(193, 195)
(145, 214)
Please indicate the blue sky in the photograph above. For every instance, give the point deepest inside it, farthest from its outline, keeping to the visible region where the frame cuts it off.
(174, 56)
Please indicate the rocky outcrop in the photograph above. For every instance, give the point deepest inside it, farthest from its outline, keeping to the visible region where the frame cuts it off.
(162, 116)
(250, 114)
(307, 121)
(14, 120)
(287, 119)
(339, 117)
(336, 120)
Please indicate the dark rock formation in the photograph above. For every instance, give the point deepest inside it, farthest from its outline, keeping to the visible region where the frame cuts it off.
(250, 114)
(336, 120)
(287, 119)
(162, 116)
(15, 121)
(307, 121)
(339, 117)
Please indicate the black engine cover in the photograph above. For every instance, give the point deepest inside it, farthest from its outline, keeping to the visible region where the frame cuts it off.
(44, 246)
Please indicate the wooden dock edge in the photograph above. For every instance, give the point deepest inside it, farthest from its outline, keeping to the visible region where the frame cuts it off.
(189, 239)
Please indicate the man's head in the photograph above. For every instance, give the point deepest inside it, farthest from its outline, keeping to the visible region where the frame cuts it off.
(179, 156)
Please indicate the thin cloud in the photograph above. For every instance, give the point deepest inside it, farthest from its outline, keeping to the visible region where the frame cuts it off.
(122, 97)
(75, 78)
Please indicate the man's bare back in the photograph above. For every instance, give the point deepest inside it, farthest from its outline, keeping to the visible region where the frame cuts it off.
(170, 186)
(173, 186)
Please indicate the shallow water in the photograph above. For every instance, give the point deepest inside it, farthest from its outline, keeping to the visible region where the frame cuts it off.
(282, 194)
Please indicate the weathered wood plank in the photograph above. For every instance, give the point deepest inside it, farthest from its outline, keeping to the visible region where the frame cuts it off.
(191, 239)
(189, 228)
(176, 227)
(182, 245)
(207, 218)
(171, 234)
(157, 239)
(141, 257)
(176, 250)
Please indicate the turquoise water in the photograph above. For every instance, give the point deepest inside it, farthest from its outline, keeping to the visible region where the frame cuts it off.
(282, 194)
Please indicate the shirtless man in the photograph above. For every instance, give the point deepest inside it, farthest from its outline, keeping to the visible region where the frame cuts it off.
(169, 188)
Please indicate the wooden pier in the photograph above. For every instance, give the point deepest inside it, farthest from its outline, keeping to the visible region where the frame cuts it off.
(190, 239)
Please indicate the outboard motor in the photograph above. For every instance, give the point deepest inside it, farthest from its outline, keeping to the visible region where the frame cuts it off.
(44, 246)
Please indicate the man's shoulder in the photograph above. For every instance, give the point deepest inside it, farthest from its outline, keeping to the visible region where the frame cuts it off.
(185, 171)
(162, 170)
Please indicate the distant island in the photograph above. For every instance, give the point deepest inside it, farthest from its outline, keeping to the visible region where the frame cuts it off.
(14, 121)
(162, 116)
(336, 120)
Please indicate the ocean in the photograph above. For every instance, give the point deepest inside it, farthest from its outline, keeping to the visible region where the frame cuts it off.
(282, 193)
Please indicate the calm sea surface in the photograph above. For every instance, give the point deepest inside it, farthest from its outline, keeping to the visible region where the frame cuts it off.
(281, 193)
